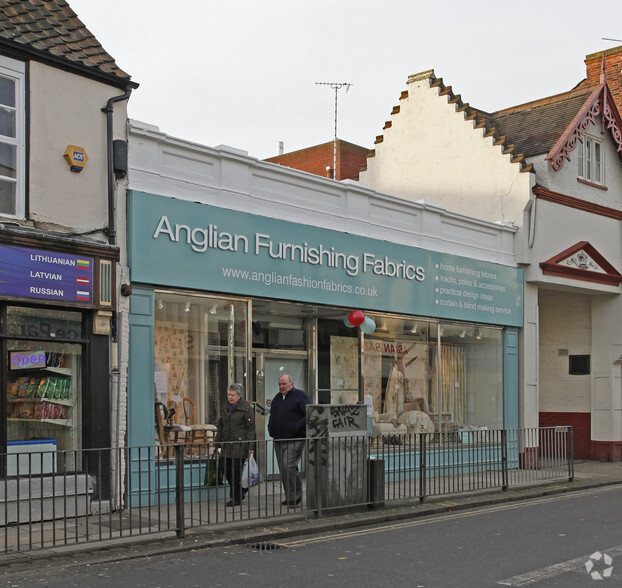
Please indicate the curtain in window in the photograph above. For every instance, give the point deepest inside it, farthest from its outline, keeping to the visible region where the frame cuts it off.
(453, 382)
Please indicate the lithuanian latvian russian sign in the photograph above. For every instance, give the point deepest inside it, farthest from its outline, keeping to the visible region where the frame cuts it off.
(192, 245)
(45, 275)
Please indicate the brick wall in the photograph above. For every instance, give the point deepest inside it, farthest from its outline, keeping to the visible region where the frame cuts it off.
(565, 329)
(315, 160)
(613, 61)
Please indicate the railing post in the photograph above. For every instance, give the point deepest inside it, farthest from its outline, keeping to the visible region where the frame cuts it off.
(318, 474)
(504, 459)
(570, 454)
(179, 492)
(422, 466)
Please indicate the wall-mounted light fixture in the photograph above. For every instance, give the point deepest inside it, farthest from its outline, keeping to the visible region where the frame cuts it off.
(187, 307)
(160, 304)
(478, 334)
(413, 329)
(213, 309)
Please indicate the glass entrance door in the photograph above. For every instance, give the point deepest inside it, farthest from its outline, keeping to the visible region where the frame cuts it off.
(269, 367)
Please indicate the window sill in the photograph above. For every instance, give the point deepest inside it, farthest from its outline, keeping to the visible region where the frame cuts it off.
(588, 183)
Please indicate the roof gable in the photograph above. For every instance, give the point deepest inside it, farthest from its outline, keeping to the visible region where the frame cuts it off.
(600, 103)
(52, 30)
(582, 262)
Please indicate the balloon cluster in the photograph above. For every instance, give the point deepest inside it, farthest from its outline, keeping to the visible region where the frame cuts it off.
(357, 318)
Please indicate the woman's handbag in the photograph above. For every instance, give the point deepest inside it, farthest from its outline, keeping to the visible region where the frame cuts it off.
(213, 472)
(250, 473)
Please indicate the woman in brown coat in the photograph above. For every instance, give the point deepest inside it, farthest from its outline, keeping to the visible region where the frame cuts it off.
(236, 439)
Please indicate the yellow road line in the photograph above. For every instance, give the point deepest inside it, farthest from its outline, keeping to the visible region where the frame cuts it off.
(443, 517)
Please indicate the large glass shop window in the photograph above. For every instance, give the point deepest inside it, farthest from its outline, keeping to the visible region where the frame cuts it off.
(199, 349)
(44, 383)
(407, 384)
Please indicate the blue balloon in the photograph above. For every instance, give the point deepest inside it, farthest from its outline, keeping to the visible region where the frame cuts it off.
(346, 322)
(368, 326)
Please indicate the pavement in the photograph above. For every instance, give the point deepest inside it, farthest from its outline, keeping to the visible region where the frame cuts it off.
(267, 532)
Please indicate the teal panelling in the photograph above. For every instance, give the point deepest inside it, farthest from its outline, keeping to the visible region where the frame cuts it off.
(510, 379)
(186, 244)
(140, 395)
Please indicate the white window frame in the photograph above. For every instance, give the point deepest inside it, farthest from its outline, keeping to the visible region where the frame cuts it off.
(16, 71)
(590, 160)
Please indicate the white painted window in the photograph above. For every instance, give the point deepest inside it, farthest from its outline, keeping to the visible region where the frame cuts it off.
(12, 137)
(590, 153)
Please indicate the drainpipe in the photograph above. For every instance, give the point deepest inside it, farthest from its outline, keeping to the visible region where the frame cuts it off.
(111, 233)
(111, 230)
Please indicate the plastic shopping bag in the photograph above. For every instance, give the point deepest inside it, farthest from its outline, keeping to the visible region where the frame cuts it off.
(250, 473)
(213, 471)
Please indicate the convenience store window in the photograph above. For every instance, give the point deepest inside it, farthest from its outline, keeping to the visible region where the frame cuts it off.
(43, 379)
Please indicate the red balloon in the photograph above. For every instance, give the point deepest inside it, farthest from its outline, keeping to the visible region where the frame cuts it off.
(356, 317)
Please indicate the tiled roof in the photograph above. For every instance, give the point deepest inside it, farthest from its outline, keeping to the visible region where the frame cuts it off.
(52, 28)
(534, 128)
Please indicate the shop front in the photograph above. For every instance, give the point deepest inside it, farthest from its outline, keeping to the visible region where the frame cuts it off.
(222, 296)
(55, 328)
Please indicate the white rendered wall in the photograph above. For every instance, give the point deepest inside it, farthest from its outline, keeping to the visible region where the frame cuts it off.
(65, 109)
(430, 151)
(607, 368)
(565, 180)
(559, 227)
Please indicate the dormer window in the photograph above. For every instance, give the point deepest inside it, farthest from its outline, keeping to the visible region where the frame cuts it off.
(590, 160)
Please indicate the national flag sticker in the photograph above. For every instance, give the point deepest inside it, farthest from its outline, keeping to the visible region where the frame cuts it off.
(83, 263)
(82, 295)
(83, 280)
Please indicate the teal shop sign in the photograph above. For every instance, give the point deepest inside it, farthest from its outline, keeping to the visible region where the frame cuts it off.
(184, 244)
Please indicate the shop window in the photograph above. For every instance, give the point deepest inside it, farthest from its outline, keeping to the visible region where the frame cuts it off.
(427, 377)
(397, 370)
(12, 137)
(579, 365)
(338, 361)
(589, 157)
(199, 349)
(44, 381)
(471, 377)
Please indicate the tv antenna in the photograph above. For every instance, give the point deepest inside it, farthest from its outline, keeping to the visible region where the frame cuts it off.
(335, 86)
(606, 39)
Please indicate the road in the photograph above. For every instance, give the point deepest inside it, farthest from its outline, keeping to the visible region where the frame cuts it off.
(549, 541)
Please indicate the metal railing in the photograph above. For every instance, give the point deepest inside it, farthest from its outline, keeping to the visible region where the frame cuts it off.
(54, 498)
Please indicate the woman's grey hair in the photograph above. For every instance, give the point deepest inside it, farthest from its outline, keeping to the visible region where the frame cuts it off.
(237, 388)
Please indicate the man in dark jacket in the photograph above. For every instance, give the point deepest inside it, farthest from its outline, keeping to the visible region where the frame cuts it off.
(288, 427)
(236, 439)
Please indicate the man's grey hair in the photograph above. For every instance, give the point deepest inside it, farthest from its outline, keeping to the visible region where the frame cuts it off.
(237, 388)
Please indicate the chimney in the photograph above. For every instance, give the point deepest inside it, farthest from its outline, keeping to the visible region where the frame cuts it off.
(280, 148)
(612, 61)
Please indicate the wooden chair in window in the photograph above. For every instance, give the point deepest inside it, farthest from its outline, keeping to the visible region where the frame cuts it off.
(169, 433)
(200, 434)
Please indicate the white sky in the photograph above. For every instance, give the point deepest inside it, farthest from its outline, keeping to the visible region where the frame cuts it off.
(243, 72)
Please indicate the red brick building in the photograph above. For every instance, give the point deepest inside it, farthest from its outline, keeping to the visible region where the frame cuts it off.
(613, 69)
(319, 160)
